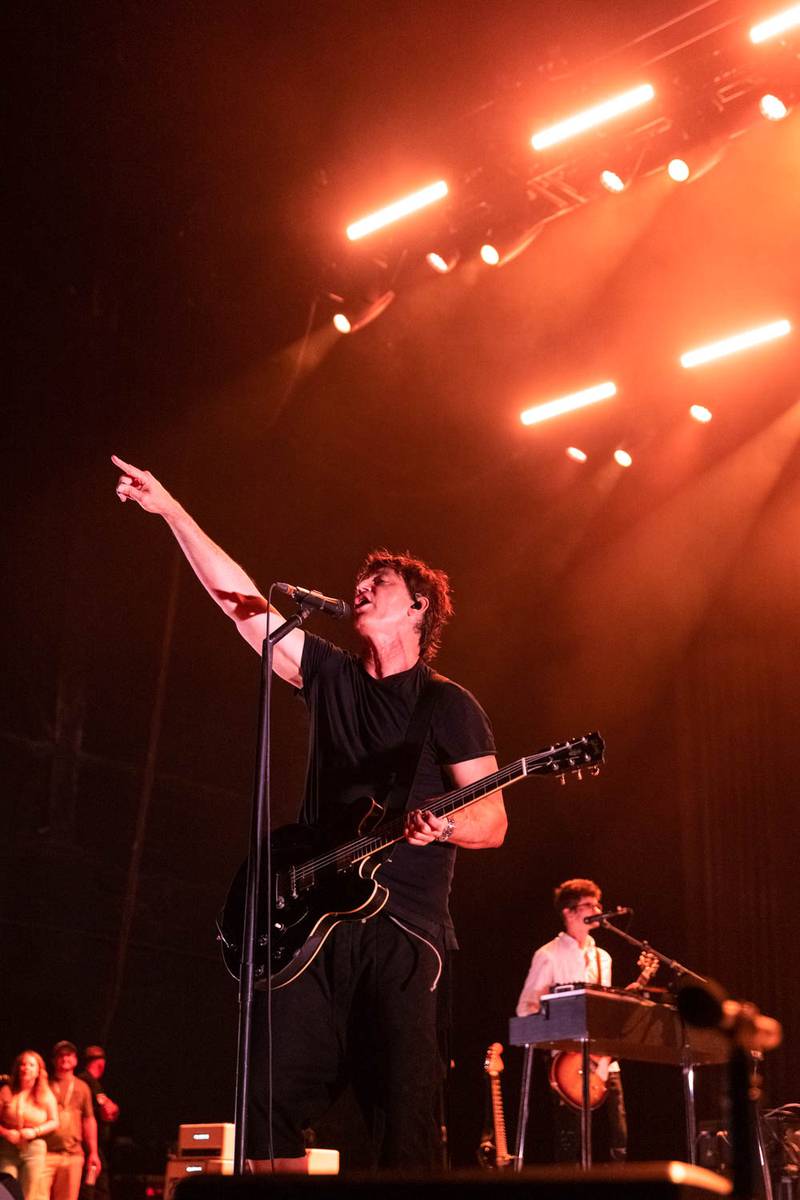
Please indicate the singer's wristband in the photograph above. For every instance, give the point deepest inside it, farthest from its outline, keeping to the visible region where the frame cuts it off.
(447, 832)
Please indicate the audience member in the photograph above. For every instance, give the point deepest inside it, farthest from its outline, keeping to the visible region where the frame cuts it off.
(105, 1112)
(77, 1128)
(27, 1113)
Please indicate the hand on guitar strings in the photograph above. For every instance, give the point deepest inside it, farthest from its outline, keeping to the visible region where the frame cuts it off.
(422, 827)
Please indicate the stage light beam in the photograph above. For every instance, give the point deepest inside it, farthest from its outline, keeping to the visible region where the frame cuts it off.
(789, 18)
(354, 318)
(490, 254)
(622, 458)
(399, 208)
(678, 170)
(565, 404)
(700, 413)
(576, 454)
(772, 108)
(591, 117)
(612, 182)
(735, 343)
(443, 264)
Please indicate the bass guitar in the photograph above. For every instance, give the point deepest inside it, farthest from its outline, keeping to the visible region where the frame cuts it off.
(493, 1152)
(566, 1066)
(318, 883)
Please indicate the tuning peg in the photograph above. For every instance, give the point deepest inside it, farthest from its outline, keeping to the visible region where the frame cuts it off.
(578, 773)
(562, 780)
(594, 770)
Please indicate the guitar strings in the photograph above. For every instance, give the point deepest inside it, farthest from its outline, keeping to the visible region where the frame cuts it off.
(363, 847)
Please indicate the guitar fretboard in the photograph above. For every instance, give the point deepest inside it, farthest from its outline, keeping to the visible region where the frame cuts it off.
(557, 760)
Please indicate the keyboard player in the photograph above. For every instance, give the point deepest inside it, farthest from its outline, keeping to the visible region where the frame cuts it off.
(573, 956)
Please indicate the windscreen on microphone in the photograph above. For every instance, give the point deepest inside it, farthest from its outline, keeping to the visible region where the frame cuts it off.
(620, 911)
(312, 599)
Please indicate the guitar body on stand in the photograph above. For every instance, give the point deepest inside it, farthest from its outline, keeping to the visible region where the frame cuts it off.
(320, 881)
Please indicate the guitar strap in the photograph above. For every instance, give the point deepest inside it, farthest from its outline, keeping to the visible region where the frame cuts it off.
(401, 784)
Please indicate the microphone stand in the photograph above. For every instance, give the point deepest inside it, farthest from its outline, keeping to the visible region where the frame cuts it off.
(687, 1066)
(745, 1125)
(671, 963)
(260, 819)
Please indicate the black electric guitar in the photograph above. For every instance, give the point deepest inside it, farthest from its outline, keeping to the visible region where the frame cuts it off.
(317, 883)
(493, 1152)
(566, 1066)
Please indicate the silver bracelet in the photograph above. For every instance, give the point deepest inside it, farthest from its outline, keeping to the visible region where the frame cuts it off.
(447, 832)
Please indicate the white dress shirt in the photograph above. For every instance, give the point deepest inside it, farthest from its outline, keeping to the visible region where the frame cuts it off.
(563, 961)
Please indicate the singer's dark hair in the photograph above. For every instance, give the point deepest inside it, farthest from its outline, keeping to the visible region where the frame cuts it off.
(421, 580)
(572, 891)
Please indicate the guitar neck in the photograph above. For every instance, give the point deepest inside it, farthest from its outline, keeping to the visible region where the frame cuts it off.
(452, 802)
(556, 760)
(442, 806)
(500, 1142)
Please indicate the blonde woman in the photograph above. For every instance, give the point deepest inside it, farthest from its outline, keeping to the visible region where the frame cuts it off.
(28, 1112)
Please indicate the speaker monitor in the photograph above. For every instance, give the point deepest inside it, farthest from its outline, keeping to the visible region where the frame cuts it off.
(628, 1181)
(185, 1169)
(214, 1140)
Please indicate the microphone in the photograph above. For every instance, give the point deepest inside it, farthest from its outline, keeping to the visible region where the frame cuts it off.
(620, 911)
(312, 599)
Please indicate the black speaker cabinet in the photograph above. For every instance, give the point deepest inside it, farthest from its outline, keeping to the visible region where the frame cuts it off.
(629, 1181)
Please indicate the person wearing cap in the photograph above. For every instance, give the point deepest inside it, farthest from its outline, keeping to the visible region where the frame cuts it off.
(77, 1128)
(105, 1112)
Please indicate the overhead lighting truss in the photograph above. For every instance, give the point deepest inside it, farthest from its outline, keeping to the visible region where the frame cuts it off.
(717, 76)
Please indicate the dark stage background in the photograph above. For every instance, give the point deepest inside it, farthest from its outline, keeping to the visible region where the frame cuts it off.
(180, 173)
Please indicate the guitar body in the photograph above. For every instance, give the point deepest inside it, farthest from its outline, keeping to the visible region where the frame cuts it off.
(306, 907)
(320, 880)
(566, 1078)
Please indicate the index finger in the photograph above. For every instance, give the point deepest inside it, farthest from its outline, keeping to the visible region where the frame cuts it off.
(128, 467)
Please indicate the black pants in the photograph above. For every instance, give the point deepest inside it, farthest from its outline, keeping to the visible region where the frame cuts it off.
(609, 1127)
(363, 1013)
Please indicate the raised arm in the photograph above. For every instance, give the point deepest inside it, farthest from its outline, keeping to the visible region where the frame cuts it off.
(225, 581)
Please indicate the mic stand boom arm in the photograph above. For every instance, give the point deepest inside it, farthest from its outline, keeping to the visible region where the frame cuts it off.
(672, 963)
(259, 821)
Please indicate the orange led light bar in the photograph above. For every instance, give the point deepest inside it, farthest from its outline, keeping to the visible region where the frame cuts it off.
(554, 408)
(592, 116)
(400, 208)
(738, 341)
(779, 23)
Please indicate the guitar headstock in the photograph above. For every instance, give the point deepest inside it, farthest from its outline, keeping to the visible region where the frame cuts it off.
(648, 964)
(569, 758)
(493, 1064)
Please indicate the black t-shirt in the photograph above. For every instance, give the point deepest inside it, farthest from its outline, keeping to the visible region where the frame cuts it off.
(104, 1127)
(358, 730)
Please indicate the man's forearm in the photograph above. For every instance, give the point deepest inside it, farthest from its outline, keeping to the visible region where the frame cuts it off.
(226, 582)
(90, 1135)
(230, 587)
(481, 826)
(219, 574)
